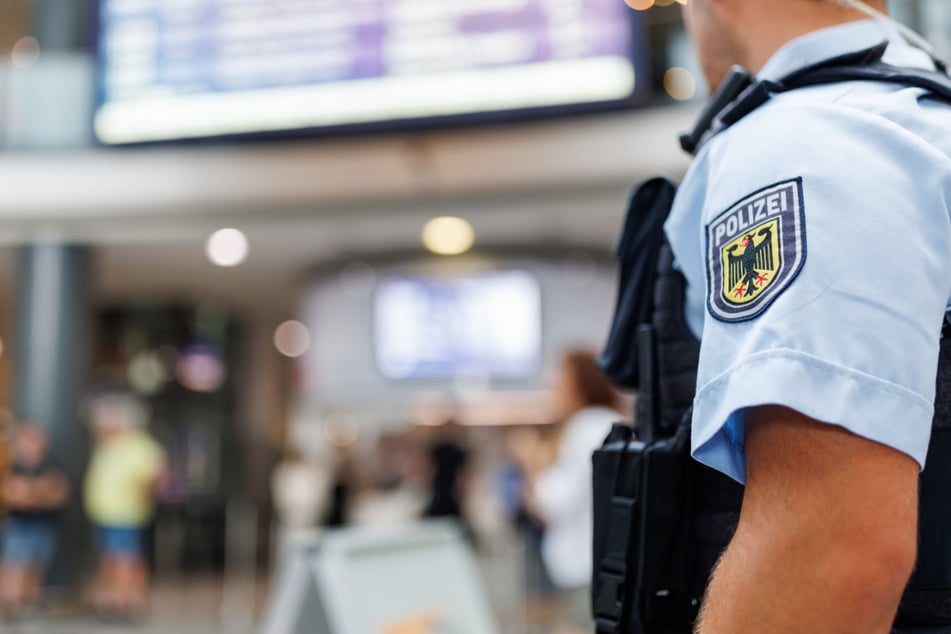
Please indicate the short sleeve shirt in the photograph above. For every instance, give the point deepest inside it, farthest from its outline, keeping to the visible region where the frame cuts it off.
(815, 238)
(45, 469)
(118, 486)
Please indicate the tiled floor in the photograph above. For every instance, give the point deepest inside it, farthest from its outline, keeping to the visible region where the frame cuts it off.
(88, 625)
(186, 606)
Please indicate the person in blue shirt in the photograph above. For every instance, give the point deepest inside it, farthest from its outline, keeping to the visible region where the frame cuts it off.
(815, 238)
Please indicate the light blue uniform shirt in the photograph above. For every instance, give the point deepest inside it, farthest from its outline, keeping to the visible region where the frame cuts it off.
(816, 242)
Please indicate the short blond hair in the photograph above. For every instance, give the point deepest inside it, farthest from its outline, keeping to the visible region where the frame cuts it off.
(118, 410)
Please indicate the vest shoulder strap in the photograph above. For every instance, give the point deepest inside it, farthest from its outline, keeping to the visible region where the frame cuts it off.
(742, 93)
(936, 83)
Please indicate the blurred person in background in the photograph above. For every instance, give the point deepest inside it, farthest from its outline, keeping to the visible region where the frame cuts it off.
(6, 434)
(342, 490)
(126, 470)
(448, 459)
(32, 492)
(558, 487)
(5, 458)
(400, 493)
(300, 488)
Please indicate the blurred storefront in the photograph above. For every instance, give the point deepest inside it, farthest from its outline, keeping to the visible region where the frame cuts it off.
(181, 361)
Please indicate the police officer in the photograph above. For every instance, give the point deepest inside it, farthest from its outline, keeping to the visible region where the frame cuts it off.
(815, 238)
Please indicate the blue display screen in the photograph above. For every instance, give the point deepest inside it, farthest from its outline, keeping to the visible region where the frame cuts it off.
(176, 69)
(485, 325)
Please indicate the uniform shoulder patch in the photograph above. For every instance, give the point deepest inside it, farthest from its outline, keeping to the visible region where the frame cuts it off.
(755, 249)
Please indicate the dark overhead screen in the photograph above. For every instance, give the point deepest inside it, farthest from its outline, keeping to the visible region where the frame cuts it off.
(179, 69)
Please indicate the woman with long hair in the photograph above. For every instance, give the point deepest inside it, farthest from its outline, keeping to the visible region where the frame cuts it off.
(558, 487)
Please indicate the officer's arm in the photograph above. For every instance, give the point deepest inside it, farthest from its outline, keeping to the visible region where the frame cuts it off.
(827, 534)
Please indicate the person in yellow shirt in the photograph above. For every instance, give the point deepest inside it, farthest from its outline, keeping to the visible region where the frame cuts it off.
(126, 470)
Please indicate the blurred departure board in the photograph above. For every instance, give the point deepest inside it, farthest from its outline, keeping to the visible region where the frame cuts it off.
(177, 69)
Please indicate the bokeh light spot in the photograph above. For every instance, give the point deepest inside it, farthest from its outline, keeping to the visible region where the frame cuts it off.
(639, 5)
(292, 339)
(448, 235)
(227, 247)
(201, 369)
(146, 373)
(25, 53)
(680, 83)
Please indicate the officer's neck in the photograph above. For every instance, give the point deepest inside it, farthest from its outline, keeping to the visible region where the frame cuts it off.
(765, 34)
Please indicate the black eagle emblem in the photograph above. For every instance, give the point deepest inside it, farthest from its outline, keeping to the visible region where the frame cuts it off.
(743, 267)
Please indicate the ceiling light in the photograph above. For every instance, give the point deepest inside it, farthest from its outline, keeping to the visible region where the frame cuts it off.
(227, 247)
(448, 236)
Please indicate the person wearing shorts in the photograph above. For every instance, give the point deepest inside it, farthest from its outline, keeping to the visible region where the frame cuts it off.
(33, 492)
(124, 473)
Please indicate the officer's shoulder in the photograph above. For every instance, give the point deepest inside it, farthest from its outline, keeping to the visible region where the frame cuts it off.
(794, 127)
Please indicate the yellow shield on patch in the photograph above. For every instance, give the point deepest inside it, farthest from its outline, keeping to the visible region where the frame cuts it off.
(755, 249)
(751, 263)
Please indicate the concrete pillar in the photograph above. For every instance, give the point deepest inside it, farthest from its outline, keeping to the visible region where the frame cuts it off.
(52, 359)
(61, 25)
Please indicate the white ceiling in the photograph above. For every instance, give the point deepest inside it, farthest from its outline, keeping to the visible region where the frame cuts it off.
(148, 211)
